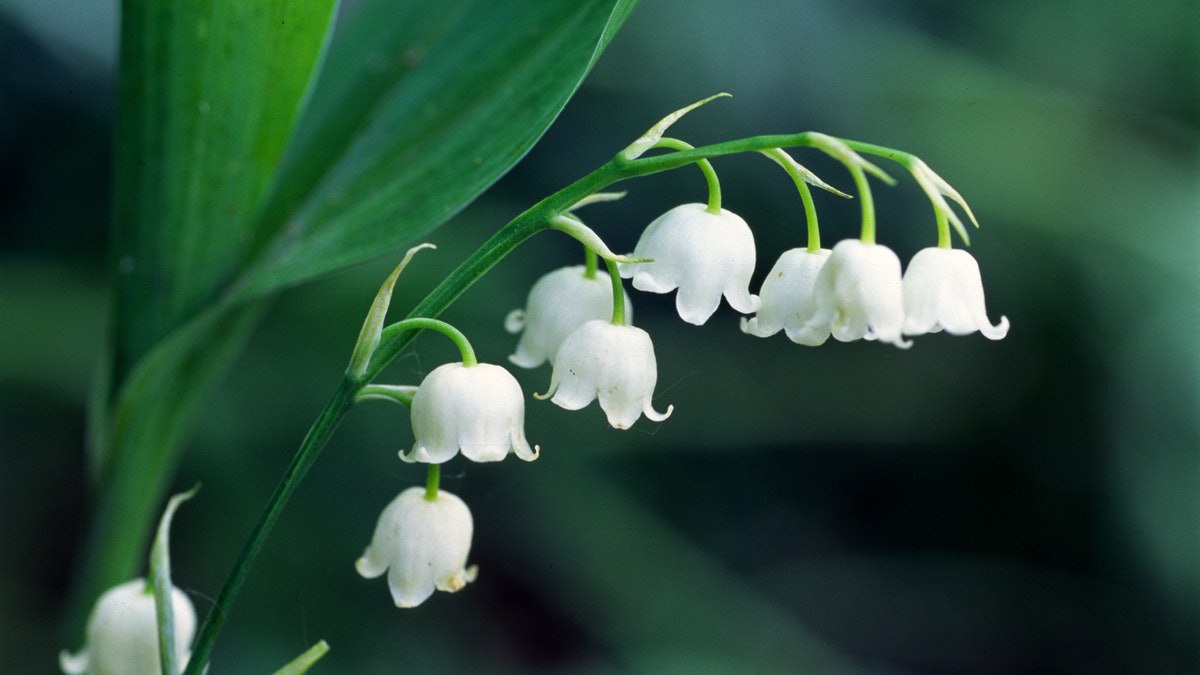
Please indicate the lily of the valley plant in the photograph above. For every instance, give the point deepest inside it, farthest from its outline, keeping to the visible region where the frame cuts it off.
(579, 320)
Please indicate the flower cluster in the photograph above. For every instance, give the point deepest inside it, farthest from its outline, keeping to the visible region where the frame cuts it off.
(579, 321)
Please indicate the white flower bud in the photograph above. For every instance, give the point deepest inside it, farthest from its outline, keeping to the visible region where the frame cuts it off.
(558, 303)
(477, 409)
(615, 364)
(122, 632)
(858, 294)
(422, 545)
(788, 299)
(705, 255)
(943, 290)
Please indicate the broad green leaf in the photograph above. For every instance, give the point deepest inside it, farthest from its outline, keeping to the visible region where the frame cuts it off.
(420, 108)
(209, 93)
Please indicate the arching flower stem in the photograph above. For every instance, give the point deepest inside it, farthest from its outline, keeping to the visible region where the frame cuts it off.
(455, 335)
(710, 175)
(396, 337)
(433, 475)
(589, 261)
(810, 209)
(868, 203)
(618, 315)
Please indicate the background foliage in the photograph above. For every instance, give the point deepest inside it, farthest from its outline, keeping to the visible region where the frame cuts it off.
(1028, 504)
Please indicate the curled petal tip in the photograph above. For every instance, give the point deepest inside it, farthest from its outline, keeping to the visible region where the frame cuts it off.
(997, 332)
(656, 416)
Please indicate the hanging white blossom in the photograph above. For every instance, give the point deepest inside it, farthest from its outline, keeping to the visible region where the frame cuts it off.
(422, 544)
(558, 303)
(705, 255)
(122, 632)
(943, 290)
(613, 363)
(858, 294)
(478, 409)
(788, 299)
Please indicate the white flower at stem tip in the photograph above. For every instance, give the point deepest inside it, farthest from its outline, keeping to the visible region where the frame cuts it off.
(788, 299)
(558, 303)
(613, 363)
(705, 255)
(478, 409)
(943, 290)
(122, 632)
(422, 544)
(858, 294)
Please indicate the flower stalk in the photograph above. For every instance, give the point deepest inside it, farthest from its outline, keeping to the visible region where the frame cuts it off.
(393, 339)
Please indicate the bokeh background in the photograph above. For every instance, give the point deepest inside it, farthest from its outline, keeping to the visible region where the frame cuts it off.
(1030, 505)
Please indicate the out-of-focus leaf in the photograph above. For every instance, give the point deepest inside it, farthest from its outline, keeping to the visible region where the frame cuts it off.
(209, 94)
(420, 108)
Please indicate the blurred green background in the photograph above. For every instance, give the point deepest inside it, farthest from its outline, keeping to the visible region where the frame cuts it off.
(966, 506)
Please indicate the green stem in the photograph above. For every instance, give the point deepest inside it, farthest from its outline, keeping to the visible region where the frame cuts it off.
(589, 258)
(943, 227)
(432, 477)
(902, 158)
(618, 314)
(396, 337)
(810, 209)
(710, 175)
(455, 335)
(318, 435)
(868, 204)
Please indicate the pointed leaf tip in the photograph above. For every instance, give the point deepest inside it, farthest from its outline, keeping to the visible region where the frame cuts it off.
(369, 335)
(655, 133)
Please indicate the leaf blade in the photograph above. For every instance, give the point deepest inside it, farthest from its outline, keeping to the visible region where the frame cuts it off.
(459, 107)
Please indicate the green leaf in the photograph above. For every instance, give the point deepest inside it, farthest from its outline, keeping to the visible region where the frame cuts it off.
(301, 664)
(419, 109)
(209, 93)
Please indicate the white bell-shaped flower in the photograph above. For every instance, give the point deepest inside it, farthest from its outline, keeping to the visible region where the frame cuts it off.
(122, 632)
(613, 363)
(858, 294)
(943, 290)
(705, 255)
(478, 409)
(422, 544)
(789, 300)
(558, 303)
